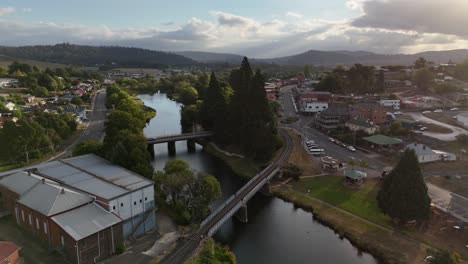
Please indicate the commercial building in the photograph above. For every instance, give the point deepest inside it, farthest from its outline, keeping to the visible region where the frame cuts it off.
(372, 112)
(426, 154)
(363, 125)
(394, 104)
(83, 206)
(333, 117)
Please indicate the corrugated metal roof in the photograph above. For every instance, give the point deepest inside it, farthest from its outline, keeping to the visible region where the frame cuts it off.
(49, 199)
(19, 182)
(85, 221)
(91, 174)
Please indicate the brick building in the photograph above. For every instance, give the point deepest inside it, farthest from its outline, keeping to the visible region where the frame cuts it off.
(9, 253)
(83, 206)
(371, 112)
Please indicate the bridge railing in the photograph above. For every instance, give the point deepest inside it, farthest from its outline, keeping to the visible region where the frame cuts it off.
(218, 209)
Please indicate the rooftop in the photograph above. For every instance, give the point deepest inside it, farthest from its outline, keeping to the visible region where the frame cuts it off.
(78, 224)
(382, 140)
(50, 199)
(7, 248)
(355, 174)
(19, 182)
(361, 123)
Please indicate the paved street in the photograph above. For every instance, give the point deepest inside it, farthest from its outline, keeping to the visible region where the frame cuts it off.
(94, 129)
(444, 137)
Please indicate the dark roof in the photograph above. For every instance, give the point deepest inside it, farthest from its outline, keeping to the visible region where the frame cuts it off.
(336, 109)
(355, 174)
(382, 140)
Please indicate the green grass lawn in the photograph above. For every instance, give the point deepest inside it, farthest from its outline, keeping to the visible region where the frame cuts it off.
(31, 249)
(361, 202)
(241, 166)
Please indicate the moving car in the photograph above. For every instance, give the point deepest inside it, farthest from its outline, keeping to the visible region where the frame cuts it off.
(426, 112)
(438, 111)
(351, 148)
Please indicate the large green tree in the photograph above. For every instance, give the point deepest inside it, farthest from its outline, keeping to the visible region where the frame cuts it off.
(214, 107)
(188, 193)
(332, 83)
(403, 195)
(423, 78)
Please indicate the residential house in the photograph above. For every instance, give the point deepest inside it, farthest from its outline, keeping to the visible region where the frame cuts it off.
(373, 112)
(426, 154)
(314, 101)
(333, 117)
(6, 82)
(10, 106)
(363, 125)
(9, 253)
(389, 103)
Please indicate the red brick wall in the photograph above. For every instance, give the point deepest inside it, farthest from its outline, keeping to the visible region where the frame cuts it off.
(9, 199)
(38, 232)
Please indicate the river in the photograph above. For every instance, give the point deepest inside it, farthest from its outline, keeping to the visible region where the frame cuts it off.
(277, 232)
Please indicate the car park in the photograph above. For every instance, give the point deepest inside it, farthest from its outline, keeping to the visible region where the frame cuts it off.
(351, 148)
(344, 145)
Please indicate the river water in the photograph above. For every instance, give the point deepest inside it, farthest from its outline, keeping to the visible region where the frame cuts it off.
(277, 232)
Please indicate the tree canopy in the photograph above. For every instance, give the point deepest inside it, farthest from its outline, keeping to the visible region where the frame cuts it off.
(403, 195)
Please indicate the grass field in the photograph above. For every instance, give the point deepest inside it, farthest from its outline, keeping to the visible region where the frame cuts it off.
(301, 158)
(331, 189)
(444, 118)
(31, 250)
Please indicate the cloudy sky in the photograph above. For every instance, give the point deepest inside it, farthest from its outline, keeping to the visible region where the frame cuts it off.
(257, 28)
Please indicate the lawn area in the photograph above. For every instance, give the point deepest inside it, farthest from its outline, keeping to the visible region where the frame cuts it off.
(331, 189)
(444, 118)
(31, 250)
(453, 184)
(241, 166)
(301, 158)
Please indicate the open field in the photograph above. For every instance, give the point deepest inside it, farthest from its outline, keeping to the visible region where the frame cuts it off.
(6, 61)
(362, 204)
(436, 128)
(301, 158)
(31, 250)
(457, 185)
(444, 118)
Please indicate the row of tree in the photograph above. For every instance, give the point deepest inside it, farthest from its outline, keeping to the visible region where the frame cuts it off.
(358, 79)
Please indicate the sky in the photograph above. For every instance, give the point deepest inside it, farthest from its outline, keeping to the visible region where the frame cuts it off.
(256, 28)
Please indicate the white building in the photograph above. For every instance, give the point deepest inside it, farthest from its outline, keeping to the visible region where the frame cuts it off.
(395, 104)
(5, 82)
(359, 124)
(313, 106)
(10, 106)
(426, 154)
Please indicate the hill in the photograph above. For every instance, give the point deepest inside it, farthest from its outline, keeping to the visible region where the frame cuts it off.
(211, 57)
(111, 56)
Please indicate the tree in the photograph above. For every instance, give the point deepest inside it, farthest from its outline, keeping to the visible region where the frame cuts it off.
(185, 93)
(214, 107)
(444, 257)
(186, 191)
(292, 171)
(361, 78)
(332, 83)
(461, 71)
(87, 147)
(307, 71)
(420, 63)
(423, 78)
(76, 101)
(403, 195)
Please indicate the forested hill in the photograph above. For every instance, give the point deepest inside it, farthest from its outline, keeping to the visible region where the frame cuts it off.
(97, 55)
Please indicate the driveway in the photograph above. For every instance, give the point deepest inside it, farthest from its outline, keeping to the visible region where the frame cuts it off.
(444, 137)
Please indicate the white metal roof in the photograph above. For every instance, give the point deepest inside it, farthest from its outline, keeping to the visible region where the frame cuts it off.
(85, 221)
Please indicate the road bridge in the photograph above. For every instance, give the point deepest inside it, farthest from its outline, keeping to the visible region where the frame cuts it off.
(172, 139)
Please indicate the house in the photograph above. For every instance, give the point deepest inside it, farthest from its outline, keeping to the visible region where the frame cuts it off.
(394, 104)
(363, 125)
(426, 154)
(29, 98)
(373, 112)
(83, 206)
(6, 82)
(333, 117)
(10, 106)
(9, 253)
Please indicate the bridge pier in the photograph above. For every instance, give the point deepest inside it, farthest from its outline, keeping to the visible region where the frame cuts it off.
(150, 148)
(171, 148)
(241, 214)
(266, 189)
(191, 147)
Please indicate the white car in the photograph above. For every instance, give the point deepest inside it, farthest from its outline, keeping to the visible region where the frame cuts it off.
(423, 128)
(351, 148)
(426, 112)
(397, 113)
(331, 139)
(438, 111)
(454, 109)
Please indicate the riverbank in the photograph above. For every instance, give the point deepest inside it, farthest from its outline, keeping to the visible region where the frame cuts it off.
(242, 167)
(212, 252)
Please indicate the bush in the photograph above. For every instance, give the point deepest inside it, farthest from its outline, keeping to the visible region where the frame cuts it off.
(120, 248)
(292, 171)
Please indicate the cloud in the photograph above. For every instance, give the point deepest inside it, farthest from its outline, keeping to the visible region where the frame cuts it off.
(428, 16)
(7, 10)
(26, 9)
(293, 14)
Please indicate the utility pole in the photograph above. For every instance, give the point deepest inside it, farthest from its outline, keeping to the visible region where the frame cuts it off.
(27, 155)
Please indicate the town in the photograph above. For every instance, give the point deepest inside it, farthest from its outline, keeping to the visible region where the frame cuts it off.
(142, 145)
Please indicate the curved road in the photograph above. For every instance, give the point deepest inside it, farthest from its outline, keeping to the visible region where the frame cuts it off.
(444, 137)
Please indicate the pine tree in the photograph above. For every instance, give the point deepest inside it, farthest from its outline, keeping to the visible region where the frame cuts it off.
(214, 105)
(403, 195)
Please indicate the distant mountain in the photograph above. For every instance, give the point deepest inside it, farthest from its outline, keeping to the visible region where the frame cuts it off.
(340, 57)
(96, 55)
(315, 57)
(211, 57)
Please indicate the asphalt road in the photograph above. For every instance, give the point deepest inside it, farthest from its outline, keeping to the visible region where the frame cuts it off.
(94, 129)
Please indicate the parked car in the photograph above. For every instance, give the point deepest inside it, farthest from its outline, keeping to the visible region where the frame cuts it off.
(426, 112)
(454, 117)
(454, 109)
(331, 139)
(438, 111)
(423, 128)
(397, 113)
(351, 148)
(344, 145)
(310, 141)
